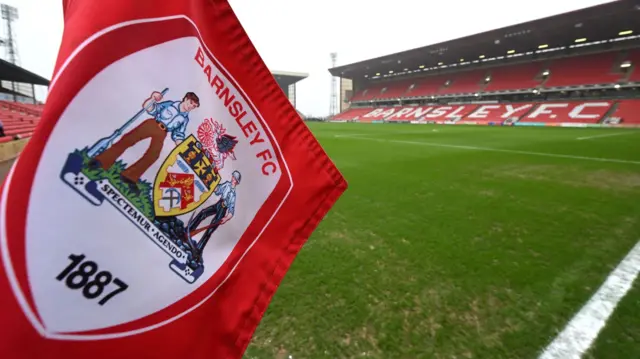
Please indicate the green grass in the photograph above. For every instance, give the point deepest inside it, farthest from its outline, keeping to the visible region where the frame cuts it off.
(142, 201)
(449, 252)
(621, 337)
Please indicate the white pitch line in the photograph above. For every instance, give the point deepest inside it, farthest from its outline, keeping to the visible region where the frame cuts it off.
(475, 148)
(605, 135)
(578, 336)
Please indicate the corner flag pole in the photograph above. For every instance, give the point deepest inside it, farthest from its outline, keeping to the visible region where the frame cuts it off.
(104, 143)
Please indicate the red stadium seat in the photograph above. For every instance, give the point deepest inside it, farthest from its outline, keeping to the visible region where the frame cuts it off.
(500, 112)
(433, 113)
(568, 112)
(377, 114)
(352, 113)
(396, 89)
(516, 77)
(634, 57)
(369, 93)
(427, 86)
(628, 111)
(357, 96)
(468, 82)
(591, 111)
(598, 69)
(19, 118)
(23, 108)
(363, 114)
(583, 70)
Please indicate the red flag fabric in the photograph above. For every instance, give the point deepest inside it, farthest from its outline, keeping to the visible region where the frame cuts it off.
(165, 193)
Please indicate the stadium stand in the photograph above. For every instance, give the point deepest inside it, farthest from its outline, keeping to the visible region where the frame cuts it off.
(598, 69)
(581, 67)
(19, 112)
(19, 120)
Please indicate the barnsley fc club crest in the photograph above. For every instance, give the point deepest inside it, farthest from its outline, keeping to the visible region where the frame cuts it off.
(186, 179)
(144, 198)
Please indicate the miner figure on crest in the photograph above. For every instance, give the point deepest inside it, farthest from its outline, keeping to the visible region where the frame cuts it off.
(168, 117)
(220, 212)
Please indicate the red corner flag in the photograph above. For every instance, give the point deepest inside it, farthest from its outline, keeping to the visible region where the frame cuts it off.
(168, 188)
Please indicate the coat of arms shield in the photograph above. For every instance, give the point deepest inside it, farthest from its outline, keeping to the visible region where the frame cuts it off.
(185, 180)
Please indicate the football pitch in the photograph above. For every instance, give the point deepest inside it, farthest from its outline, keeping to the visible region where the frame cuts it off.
(466, 242)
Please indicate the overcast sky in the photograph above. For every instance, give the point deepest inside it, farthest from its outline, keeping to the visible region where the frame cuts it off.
(298, 35)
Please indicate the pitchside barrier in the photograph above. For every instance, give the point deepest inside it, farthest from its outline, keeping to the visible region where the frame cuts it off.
(506, 123)
(607, 113)
(11, 150)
